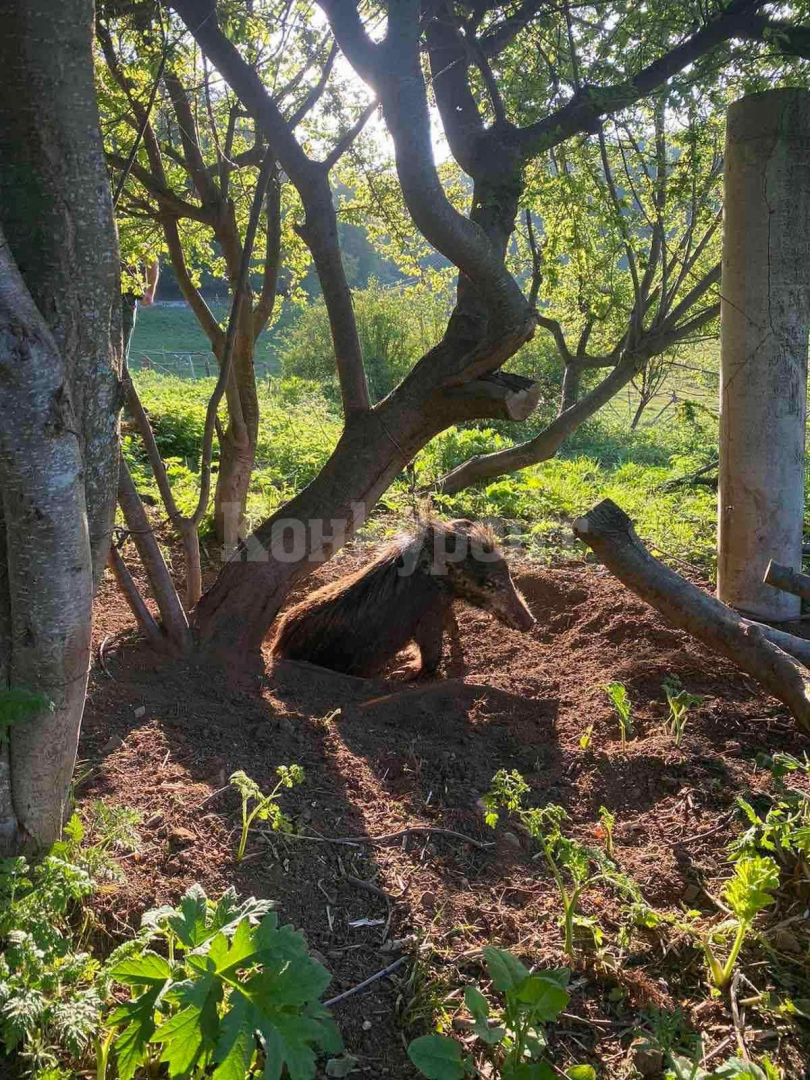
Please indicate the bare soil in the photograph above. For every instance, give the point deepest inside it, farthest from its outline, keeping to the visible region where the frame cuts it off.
(380, 756)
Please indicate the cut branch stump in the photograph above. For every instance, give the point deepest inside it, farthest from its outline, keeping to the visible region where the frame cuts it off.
(756, 649)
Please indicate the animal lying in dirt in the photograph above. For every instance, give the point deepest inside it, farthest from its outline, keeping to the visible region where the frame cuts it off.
(359, 623)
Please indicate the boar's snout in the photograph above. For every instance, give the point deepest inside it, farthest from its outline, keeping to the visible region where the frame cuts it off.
(515, 612)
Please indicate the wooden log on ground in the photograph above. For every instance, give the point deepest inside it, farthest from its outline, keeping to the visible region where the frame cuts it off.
(787, 579)
(609, 532)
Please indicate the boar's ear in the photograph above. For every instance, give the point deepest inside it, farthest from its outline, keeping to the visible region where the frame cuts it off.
(461, 523)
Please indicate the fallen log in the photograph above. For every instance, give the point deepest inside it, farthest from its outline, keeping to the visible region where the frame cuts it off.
(787, 579)
(609, 532)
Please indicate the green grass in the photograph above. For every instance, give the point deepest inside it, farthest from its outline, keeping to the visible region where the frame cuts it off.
(297, 432)
(164, 330)
(299, 428)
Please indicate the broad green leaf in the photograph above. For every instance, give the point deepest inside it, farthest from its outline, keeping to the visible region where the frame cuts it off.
(237, 1043)
(742, 1070)
(296, 984)
(546, 997)
(189, 1037)
(437, 1057)
(229, 913)
(145, 970)
(190, 925)
(279, 944)
(476, 1002)
(684, 1069)
(331, 1039)
(539, 1070)
(338, 1068)
(287, 1043)
(130, 1046)
(491, 1036)
(273, 1052)
(505, 970)
(300, 1062)
(561, 976)
(581, 1072)
(242, 950)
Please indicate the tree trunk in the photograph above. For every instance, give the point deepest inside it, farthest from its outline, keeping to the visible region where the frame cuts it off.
(56, 211)
(175, 623)
(765, 316)
(237, 611)
(643, 402)
(47, 560)
(609, 532)
(60, 365)
(572, 377)
(237, 443)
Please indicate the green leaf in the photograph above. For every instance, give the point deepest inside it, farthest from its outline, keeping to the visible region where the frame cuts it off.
(505, 970)
(743, 1070)
(437, 1057)
(296, 984)
(131, 1045)
(189, 1037)
(300, 1062)
(190, 925)
(546, 997)
(148, 969)
(684, 1069)
(581, 1072)
(561, 976)
(748, 892)
(237, 1043)
(340, 1067)
(476, 1002)
(538, 1070)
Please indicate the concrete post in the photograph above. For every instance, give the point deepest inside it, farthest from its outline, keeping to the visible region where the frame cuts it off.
(764, 337)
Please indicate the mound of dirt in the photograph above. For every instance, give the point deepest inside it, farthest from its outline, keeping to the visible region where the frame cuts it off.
(382, 756)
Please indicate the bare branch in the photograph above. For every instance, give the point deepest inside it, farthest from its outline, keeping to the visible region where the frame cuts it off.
(788, 39)
(124, 580)
(174, 618)
(311, 180)
(490, 82)
(737, 19)
(537, 261)
(206, 188)
(622, 225)
(503, 33)
(397, 76)
(348, 137)
(272, 256)
(547, 443)
(315, 94)
(240, 297)
(461, 118)
(194, 298)
(141, 130)
(555, 329)
(168, 201)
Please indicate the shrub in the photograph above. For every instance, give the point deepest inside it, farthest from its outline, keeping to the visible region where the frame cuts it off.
(395, 326)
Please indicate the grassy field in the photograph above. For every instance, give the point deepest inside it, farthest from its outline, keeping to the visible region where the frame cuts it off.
(168, 333)
(299, 427)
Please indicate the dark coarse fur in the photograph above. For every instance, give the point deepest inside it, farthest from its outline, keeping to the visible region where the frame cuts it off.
(359, 623)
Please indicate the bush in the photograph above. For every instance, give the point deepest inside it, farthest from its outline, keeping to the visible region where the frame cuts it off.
(395, 325)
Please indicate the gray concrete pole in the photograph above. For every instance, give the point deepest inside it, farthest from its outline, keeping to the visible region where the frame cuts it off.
(764, 337)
